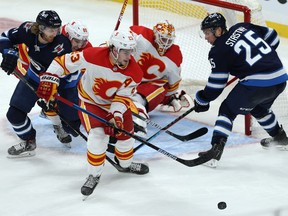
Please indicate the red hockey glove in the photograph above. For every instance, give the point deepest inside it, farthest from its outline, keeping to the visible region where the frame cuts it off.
(48, 86)
(117, 120)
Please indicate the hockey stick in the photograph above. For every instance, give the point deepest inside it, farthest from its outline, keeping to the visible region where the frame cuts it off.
(25, 81)
(167, 126)
(193, 135)
(190, 163)
(121, 14)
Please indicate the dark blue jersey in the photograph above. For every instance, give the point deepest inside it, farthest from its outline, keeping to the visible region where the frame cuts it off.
(41, 55)
(247, 52)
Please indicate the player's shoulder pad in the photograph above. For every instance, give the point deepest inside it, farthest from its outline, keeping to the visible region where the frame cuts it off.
(144, 31)
(134, 71)
(174, 53)
(95, 55)
(62, 44)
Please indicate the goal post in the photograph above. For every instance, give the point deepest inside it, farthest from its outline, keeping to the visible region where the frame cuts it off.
(186, 16)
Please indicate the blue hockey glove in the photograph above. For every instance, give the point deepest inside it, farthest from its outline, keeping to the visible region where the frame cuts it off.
(200, 105)
(9, 61)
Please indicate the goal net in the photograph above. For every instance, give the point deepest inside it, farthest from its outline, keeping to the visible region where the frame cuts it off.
(186, 16)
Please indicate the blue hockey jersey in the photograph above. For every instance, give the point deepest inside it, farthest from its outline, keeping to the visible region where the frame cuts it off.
(247, 52)
(41, 55)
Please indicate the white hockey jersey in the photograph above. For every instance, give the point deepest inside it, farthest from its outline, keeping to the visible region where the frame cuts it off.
(157, 69)
(102, 84)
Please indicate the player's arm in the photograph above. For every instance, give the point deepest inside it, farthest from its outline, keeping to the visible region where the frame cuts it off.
(8, 47)
(9, 53)
(268, 34)
(217, 81)
(60, 66)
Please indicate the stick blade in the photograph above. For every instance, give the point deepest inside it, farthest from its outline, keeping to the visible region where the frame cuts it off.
(195, 134)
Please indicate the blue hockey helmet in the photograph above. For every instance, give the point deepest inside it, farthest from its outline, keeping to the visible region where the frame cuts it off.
(213, 21)
(49, 18)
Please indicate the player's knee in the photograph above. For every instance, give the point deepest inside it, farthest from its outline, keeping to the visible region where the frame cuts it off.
(15, 116)
(97, 141)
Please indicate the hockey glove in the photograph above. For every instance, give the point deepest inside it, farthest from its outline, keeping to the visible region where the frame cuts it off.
(185, 100)
(46, 106)
(200, 105)
(171, 104)
(9, 61)
(115, 119)
(48, 86)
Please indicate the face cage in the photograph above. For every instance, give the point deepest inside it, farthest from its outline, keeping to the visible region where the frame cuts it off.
(164, 43)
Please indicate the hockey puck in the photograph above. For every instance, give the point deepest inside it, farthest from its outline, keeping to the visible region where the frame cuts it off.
(222, 205)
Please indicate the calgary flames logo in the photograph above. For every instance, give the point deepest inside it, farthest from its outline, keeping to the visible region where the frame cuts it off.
(146, 62)
(104, 88)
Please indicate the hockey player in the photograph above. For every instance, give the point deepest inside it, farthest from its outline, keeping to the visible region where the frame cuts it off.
(160, 60)
(44, 43)
(246, 51)
(105, 89)
(78, 35)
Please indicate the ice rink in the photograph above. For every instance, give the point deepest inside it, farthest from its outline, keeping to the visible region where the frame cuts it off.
(252, 181)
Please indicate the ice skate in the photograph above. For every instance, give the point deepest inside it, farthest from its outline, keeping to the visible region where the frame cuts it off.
(62, 136)
(25, 148)
(136, 168)
(280, 141)
(89, 186)
(218, 151)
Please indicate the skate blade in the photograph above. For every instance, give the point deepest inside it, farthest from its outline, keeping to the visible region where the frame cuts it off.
(84, 198)
(22, 155)
(282, 148)
(67, 145)
(213, 163)
(277, 147)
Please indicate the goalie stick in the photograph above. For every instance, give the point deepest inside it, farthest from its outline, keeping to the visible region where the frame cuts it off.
(193, 135)
(22, 78)
(190, 163)
(167, 126)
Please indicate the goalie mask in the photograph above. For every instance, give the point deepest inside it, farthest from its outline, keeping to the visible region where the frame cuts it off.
(164, 36)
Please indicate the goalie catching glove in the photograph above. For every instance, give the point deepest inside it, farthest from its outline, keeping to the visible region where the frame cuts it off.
(175, 102)
(47, 88)
(115, 119)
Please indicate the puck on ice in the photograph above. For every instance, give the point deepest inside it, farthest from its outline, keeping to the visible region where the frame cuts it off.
(222, 205)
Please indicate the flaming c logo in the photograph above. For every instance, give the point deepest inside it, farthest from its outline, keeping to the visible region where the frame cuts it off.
(146, 61)
(105, 88)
